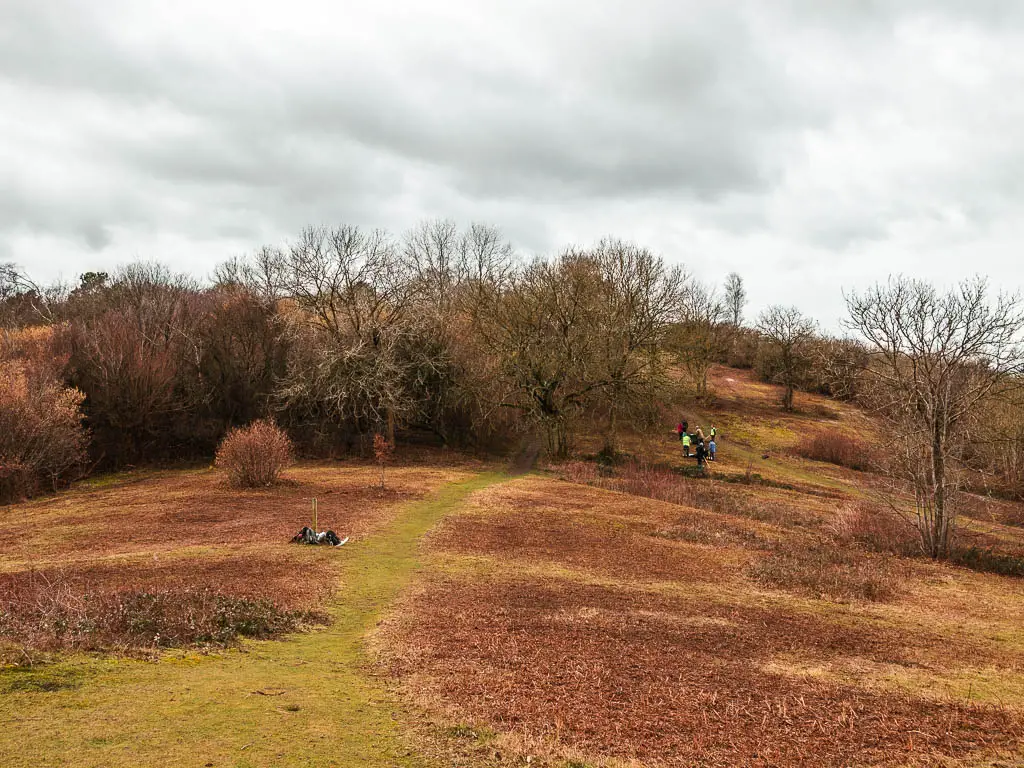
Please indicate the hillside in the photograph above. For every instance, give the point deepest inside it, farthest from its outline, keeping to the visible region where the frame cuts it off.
(570, 616)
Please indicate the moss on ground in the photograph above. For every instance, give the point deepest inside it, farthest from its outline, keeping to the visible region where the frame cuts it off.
(308, 701)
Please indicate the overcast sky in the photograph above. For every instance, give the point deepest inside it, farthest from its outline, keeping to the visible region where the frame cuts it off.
(808, 145)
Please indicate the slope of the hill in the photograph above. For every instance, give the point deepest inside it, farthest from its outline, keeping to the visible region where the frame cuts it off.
(658, 619)
(306, 700)
(574, 616)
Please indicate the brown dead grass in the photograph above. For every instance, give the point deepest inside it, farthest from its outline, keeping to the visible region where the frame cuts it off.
(833, 573)
(618, 549)
(837, 448)
(184, 550)
(729, 500)
(612, 626)
(678, 681)
(618, 535)
(638, 615)
(171, 510)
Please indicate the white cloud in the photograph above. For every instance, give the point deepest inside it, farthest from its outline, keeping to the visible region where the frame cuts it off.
(807, 145)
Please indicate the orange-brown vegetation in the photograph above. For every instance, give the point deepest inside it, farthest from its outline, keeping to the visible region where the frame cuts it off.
(254, 456)
(837, 448)
(776, 611)
(181, 558)
(624, 627)
(41, 435)
(675, 680)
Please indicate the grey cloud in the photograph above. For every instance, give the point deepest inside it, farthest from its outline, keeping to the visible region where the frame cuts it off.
(830, 127)
(669, 123)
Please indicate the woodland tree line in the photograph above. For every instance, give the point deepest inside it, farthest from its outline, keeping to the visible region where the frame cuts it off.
(445, 335)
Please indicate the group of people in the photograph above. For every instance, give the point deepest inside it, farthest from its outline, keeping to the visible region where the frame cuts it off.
(704, 447)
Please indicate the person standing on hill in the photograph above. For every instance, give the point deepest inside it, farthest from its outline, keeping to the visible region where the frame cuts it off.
(711, 446)
(700, 434)
(701, 454)
(686, 444)
(681, 429)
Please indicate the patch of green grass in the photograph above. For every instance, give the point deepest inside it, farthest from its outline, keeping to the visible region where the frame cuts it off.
(320, 705)
(110, 480)
(39, 680)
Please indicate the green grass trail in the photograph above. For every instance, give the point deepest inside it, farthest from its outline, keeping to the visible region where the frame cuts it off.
(203, 710)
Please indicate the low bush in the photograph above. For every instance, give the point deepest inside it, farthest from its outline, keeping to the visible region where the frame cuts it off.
(829, 572)
(876, 528)
(988, 561)
(254, 456)
(836, 448)
(60, 619)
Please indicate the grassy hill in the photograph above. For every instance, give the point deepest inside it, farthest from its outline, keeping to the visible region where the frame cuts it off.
(767, 614)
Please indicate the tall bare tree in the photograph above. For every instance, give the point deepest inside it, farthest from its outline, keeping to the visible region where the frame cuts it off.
(581, 331)
(22, 301)
(789, 335)
(703, 335)
(355, 293)
(642, 297)
(735, 298)
(935, 357)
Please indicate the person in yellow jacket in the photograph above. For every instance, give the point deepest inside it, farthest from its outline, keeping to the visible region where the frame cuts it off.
(686, 444)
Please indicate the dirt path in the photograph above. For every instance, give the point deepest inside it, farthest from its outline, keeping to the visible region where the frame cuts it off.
(319, 705)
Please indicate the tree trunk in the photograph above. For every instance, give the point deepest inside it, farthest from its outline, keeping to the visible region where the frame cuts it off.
(940, 524)
(611, 441)
(557, 438)
(787, 398)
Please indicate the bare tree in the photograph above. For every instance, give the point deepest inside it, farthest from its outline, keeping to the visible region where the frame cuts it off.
(22, 301)
(838, 367)
(789, 334)
(12, 281)
(934, 359)
(134, 343)
(735, 298)
(578, 332)
(454, 273)
(355, 294)
(435, 254)
(264, 275)
(642, 297)
(703, 335)
(539, 331)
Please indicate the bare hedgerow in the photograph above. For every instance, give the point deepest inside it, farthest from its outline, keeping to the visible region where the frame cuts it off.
(254, 456)
(49, 612)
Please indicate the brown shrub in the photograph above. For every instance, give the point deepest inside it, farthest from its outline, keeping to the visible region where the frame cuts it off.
(254, 456)
(829, 572)
(836, 448)
(875, 528)
(54, 614)
(988, 560)
(41, 434)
